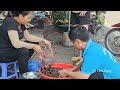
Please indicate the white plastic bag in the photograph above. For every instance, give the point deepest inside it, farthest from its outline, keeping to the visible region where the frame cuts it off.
(46, 57)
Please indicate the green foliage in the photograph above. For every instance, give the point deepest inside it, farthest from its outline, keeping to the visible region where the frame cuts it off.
(101, 19)
(58, 15)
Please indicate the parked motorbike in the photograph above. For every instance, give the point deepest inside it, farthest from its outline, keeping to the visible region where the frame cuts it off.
(112, 39)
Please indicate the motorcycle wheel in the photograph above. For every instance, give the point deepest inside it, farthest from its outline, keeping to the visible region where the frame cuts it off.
(111, 37)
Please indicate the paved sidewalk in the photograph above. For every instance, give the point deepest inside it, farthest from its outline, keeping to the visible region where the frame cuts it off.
(63, 54)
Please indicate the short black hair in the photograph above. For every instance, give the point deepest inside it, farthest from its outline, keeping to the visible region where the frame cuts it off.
(79, 32)
(17, 13)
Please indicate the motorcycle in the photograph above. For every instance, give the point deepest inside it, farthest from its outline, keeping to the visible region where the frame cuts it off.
(112, 39)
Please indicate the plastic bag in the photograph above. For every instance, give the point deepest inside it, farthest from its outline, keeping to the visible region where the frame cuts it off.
(34, 65)
(47, 57)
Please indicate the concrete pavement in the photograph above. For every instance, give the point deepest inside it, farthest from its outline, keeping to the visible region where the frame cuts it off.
(63, 54)
(112, 17)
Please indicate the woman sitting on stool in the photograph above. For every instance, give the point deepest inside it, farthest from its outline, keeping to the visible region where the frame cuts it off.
(12, 48)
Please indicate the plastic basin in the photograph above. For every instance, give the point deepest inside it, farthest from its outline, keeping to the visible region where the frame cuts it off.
(56, 65)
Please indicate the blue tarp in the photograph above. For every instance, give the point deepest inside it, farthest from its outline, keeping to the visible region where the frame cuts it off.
(41, 15)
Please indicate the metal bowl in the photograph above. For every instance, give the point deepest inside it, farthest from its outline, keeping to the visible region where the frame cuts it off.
(31, 75)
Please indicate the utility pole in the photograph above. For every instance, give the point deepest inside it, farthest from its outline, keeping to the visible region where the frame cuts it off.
(67, 41)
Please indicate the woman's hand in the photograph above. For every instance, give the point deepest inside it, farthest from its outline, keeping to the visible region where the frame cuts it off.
(82, 13)
(48, 43)
(37, 49)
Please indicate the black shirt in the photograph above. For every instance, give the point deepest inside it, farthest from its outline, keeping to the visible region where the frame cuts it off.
(9, 24)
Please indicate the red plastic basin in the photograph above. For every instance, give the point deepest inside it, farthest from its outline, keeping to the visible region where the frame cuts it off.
(56, 65)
